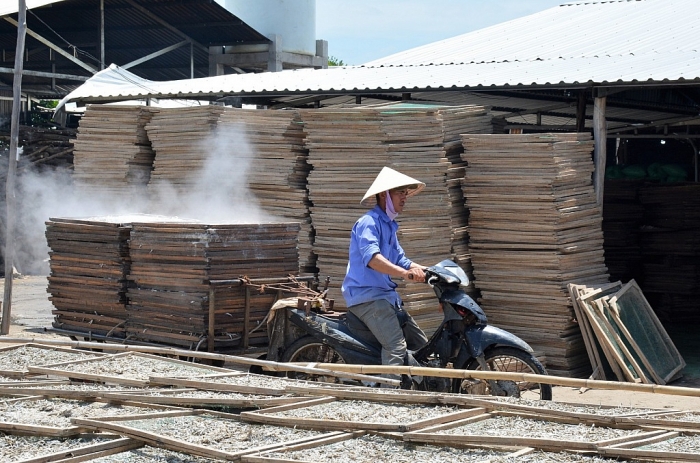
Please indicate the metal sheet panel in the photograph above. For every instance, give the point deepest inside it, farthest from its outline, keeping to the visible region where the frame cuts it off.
(572, 30)
(680, 66)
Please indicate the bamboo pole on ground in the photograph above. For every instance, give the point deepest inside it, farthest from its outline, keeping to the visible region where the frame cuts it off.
(266, 364)
(363, 372)
(502, 375)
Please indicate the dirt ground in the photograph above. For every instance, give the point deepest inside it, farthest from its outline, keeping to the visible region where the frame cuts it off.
(31, 318)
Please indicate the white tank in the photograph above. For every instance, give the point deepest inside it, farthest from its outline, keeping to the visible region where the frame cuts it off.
(293, 20)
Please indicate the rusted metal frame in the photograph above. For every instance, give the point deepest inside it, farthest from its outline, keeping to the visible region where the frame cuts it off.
(213, 284)
(261, 281)
(212, 305)
(246, 318)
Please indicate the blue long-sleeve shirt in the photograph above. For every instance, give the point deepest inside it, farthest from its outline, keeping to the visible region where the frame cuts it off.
(373, 233)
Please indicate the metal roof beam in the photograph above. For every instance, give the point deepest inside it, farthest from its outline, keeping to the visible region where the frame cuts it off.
(155, 54)
(167, 25)
(543, 109)
(54, 47)
(661, 123)
(53, 75)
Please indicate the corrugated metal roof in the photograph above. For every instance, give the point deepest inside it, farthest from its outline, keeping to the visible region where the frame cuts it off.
(533, 63)
(571, 30)
(678, 67)
(641, 42)
(130, 33)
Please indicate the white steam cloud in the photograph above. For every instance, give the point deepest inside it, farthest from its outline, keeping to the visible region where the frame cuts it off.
(217, 193)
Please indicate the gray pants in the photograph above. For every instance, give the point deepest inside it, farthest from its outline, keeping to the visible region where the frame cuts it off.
(380, 316)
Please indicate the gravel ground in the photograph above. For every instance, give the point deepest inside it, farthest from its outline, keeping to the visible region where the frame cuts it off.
(370, 449)
(18, 358)
(368, 412)
(132, 366)
(152, 455)
(219, 433)
(685, 444)
(514, 426)
(576, 408)
(16, 448)
(230, 435)
(58, 412)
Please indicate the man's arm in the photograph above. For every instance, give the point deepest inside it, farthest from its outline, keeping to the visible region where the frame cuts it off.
(382, 265)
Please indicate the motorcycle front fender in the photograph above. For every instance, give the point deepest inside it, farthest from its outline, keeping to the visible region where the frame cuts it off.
(481, 337)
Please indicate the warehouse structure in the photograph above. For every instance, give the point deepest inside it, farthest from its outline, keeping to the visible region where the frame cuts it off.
(628, 71)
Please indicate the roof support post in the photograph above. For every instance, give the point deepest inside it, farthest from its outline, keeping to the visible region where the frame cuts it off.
(102, 34)
(600, 138)
(322, 52)
(581, 111)
(215, 68)
(10, 195)
(274, 60)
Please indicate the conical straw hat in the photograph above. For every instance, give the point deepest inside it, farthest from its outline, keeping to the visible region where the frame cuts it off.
(388, 179)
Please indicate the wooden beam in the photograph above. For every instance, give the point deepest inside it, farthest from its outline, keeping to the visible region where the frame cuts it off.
(10, 198)
(599, 153)
(53, 75)
(581, 111)
(102, 34)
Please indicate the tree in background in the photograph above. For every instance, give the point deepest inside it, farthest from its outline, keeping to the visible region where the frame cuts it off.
(333, 61)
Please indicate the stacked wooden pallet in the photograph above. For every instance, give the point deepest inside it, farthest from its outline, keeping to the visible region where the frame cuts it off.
(348, 146)
(112, 152)
(670, 245)
(534, 227)
(89, 261)
(275, 142)
(173, 264)
(622, 220)
(183, 139)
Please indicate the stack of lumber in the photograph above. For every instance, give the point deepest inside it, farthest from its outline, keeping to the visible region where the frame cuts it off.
(275, 147)
(173, 264)
(42, 147)
(348, 146)
(112, 152)
(183, 140)
(89, 262)
(623, 216)
(624, 337)
(534, 227)
(670, 245)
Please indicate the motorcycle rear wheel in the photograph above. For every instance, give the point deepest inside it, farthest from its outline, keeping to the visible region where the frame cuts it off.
(511, 360)
(308, 349)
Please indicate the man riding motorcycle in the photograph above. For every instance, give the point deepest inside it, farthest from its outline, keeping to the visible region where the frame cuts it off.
(375, 256)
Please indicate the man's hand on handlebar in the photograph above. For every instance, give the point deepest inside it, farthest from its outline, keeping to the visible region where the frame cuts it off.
(415, 274)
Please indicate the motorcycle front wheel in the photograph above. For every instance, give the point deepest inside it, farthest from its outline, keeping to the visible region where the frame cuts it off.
(511, 360)
(310, 350)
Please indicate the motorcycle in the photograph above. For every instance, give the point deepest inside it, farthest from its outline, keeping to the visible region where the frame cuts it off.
(464, 340)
